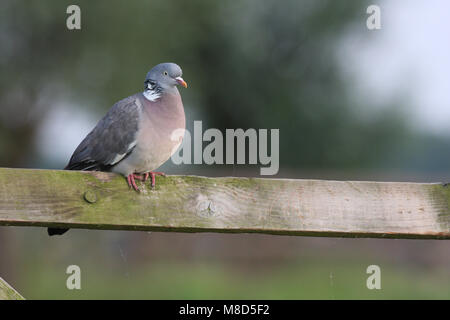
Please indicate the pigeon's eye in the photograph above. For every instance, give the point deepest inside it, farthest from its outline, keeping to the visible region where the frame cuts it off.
(165, 73)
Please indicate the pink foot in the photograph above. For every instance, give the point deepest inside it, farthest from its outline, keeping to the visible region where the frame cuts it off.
(153, 174)
(131, 181)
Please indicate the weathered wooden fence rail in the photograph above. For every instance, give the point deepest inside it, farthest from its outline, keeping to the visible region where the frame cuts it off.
(96, 200)
(7, 292)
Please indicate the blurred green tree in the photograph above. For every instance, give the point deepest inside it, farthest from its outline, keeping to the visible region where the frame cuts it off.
(261, 64)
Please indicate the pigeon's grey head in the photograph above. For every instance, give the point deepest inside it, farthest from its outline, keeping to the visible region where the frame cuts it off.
(164, 77)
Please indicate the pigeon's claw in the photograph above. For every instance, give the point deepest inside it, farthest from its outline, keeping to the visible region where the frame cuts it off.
(143, 177)
(152, 175)
(131, 181)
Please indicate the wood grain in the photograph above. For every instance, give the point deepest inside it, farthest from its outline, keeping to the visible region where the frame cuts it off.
(96, 200)
(7, 292)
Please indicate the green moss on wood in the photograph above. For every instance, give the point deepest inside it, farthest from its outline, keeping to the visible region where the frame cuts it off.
(440, 194)
(97, 200)
(7, 292)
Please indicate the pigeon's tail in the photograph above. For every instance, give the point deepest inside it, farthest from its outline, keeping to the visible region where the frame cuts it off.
(56, 231)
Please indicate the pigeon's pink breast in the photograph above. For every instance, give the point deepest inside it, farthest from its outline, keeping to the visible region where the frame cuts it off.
(161, 130)
(159, 133)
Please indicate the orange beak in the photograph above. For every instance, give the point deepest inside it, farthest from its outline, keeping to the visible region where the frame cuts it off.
(181, 81)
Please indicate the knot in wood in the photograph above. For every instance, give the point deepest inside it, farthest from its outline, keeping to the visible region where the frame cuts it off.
(90, 197)
(207, 208)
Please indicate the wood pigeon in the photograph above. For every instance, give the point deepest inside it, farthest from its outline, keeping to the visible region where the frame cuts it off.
(136, 136)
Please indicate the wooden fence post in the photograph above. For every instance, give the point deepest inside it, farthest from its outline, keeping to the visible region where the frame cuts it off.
(7, 292)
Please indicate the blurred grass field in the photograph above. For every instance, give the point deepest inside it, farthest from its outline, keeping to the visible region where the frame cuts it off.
(140, 265)
(297, 280)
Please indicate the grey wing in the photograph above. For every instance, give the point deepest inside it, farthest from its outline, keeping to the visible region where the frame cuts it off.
(111, 141)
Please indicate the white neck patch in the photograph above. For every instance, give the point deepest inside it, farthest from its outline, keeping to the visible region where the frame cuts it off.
(151, 95)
